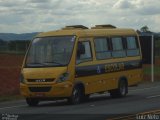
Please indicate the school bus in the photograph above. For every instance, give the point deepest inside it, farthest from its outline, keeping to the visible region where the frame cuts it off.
(74, 62)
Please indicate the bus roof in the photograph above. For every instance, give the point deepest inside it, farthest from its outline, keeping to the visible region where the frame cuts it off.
(89, 32)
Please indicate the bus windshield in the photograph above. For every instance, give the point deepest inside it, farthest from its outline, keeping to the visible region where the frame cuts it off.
(50, 51)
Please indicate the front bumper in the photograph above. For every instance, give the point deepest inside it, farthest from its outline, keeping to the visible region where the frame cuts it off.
(58, 90)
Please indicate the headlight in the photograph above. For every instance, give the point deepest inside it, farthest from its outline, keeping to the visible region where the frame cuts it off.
(63, 77)
(22, 79)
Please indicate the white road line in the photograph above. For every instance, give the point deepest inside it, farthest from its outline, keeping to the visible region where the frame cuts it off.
(152, 96)
(146, 88)
(12, 107)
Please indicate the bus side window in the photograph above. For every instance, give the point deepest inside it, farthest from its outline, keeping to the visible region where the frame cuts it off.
(118, 47)
(84, 52)
(132, 46)
(102, 48)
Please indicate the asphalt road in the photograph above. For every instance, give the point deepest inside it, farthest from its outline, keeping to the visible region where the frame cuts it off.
(145, 97)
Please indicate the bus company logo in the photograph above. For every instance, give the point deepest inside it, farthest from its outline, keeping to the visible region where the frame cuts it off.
(40, 80)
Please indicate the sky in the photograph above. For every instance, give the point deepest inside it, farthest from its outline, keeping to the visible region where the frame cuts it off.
(25, 16)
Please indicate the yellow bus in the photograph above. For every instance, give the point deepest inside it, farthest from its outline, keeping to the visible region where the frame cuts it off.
(77, 61)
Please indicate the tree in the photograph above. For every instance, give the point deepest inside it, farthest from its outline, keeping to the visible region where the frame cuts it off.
(144, 29)
(2, 42)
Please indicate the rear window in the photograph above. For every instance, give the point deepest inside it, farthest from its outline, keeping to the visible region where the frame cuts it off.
(132, 46)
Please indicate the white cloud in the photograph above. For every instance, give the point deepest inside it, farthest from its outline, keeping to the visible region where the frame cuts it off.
(39, 1)
(43, 15)
(123, 4)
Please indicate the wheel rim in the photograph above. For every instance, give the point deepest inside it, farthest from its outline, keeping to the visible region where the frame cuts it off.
(76, 96)
(122, 88)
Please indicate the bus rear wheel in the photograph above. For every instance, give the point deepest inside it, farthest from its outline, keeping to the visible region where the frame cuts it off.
(121, 91)
(32, 101)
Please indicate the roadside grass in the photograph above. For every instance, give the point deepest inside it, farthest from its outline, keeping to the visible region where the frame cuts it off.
(4, 98)
(147, 70)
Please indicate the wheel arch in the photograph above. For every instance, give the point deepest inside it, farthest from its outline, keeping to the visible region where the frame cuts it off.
(123, 78)
(80, 85)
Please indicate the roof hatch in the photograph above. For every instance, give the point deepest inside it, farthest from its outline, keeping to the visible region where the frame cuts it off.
(107, 26)
(74, 27)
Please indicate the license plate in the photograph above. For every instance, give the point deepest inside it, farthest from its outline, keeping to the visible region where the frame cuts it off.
(40, 94)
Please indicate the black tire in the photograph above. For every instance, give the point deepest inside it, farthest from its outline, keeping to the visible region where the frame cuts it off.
(32, 101)
(76, 96)
(121, 91)
(85, 98)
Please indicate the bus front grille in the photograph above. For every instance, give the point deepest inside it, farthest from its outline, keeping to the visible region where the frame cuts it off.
(41, 80)
(39, 89)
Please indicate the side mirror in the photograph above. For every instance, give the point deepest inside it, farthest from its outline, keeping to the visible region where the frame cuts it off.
(81, 49)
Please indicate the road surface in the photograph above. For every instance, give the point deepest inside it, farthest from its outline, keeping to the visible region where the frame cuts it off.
(144, 98)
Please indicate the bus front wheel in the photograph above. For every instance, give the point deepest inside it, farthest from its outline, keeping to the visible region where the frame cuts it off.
(76, 96)
(32, 101)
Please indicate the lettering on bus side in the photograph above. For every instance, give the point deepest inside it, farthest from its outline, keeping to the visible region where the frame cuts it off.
(114, 67)
(107, 68)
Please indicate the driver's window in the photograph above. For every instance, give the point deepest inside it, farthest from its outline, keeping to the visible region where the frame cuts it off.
(86, 54)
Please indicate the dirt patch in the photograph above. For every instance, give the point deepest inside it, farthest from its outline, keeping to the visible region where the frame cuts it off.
(10, 66)
(11, 60)
(147, 75)
(157, 61)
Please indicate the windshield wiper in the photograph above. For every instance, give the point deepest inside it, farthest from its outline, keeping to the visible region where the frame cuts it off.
(35, 64)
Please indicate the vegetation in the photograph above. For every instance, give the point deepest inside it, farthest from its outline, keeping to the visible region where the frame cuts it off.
(157, 42)
(144, 29)
(15, 47)
(147, 70)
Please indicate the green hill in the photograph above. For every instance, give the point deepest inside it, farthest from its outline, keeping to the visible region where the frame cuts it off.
(13, 36)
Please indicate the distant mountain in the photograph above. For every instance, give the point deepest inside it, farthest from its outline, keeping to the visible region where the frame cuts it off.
(13, 36)
(157, 34)
(29, 36)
